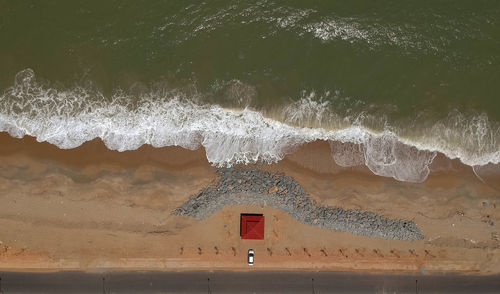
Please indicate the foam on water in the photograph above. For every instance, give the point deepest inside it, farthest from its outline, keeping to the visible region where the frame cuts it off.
(162, 118)
(365, 29)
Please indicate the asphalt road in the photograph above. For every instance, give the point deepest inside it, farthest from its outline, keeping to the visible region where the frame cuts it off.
(241, 282)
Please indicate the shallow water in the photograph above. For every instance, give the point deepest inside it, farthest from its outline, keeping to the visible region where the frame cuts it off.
(388, 84)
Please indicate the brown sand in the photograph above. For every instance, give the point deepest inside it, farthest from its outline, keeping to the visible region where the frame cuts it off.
(91, 208)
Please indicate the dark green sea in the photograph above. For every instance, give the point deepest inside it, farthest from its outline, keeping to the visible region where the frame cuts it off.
(388, 83)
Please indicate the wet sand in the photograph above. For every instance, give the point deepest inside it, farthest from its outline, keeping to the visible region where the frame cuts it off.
(90, 208)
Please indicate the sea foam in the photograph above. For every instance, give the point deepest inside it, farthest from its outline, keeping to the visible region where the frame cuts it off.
(68, 118)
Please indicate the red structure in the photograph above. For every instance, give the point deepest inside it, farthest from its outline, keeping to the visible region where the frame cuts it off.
(252, 226)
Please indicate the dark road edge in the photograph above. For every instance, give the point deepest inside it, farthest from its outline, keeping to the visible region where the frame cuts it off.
(111, 281)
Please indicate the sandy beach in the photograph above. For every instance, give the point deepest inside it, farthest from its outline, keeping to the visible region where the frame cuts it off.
(91, 208)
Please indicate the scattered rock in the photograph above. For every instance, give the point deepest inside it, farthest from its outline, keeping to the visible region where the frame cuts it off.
(294, 201)
(273, 189)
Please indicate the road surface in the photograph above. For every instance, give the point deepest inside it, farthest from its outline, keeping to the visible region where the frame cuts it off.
(241, 282)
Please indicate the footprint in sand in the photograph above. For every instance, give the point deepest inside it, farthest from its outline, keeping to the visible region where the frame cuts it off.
(378, 253)
(429, 254)
(343, 252)
(359, 253)
(413, 252)
(395, 253)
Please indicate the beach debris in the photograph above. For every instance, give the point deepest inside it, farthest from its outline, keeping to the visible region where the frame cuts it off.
(23, 250)
(485, 204)
(159, 232)
(423, 270)
(293, 200)
(200, 252)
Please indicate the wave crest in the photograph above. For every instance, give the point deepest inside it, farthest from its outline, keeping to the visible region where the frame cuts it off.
(163, 117)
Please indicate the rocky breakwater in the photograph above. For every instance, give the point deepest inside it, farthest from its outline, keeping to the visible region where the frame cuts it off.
(237, 186)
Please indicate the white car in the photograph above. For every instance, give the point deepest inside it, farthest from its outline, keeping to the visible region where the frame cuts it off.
(250, 257)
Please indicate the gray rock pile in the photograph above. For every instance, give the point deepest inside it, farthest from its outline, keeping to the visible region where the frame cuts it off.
(237, 186)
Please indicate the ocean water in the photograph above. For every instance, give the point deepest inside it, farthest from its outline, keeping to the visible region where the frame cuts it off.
(388, 83)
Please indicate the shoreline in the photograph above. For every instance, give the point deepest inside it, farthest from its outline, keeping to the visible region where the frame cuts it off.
(170, 119)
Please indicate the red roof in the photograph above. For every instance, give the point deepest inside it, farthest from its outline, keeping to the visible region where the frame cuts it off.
(252, 227)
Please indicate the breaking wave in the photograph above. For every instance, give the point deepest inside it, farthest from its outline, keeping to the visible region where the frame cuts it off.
(68, 118)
